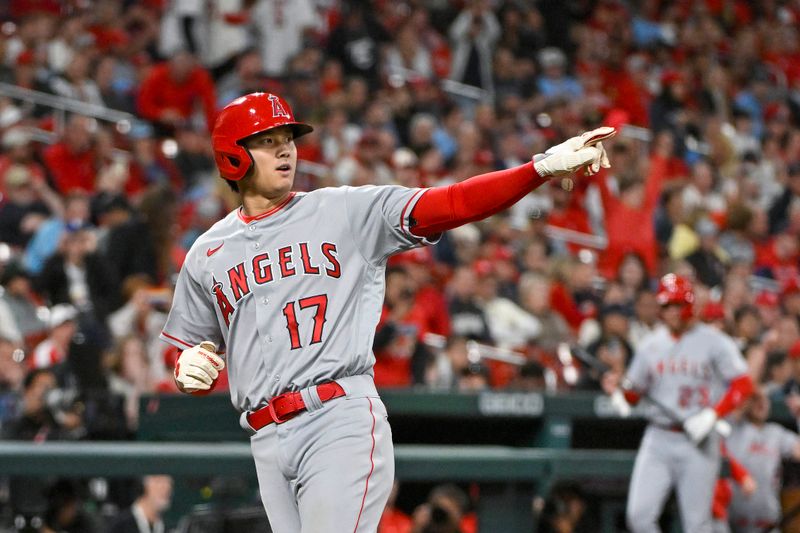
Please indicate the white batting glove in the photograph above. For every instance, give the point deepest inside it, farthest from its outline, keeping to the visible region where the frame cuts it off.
(700, 425)
(575, 145)
(620, 404)
(198, 368)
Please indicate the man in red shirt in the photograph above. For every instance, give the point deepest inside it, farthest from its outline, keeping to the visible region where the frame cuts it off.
(171, 91)
(71, 161)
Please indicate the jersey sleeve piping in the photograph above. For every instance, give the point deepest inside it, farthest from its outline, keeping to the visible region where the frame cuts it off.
(181, 344)
(405, 219)
(175, 341)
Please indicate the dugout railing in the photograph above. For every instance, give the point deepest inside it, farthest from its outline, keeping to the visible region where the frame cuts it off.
(509, 478)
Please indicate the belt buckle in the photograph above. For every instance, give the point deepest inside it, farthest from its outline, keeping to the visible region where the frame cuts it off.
(271, 408)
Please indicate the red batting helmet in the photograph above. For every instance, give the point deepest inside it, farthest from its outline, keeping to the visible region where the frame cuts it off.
(674, 289)
(246, 116)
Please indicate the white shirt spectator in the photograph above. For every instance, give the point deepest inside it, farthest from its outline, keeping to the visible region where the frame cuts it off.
(8, 325)
(510, 325)
(280, 25)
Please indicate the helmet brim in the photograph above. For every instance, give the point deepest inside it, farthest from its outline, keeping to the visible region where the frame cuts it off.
(298, 130)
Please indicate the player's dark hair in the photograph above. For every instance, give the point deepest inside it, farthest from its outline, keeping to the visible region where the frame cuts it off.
(233, 185)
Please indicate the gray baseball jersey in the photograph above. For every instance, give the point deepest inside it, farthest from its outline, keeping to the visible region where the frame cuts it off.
(293, 296)
(685, 374)
(761, 450)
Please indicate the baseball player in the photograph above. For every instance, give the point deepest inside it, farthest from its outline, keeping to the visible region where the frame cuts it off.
(289, 287)
(693, 375)
(723, 491)
(761, 447)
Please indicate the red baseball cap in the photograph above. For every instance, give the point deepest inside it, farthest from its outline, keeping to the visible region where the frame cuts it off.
(767, 299)
(791, 286)
(713, 311)
(794, 350)
(483, 267)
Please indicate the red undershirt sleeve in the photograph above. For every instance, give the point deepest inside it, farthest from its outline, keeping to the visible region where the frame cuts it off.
(444, 208)
(738, 391)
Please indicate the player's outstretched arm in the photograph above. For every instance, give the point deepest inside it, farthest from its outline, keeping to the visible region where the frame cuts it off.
(198, 368)
(444, 208)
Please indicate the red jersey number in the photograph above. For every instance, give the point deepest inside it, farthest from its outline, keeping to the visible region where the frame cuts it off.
(320, 304)
(698, 396)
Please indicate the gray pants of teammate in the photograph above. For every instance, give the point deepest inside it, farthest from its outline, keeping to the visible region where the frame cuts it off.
(666, 460)
(328, 470)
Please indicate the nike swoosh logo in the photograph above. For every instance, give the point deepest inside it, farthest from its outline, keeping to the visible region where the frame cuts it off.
(212, 251)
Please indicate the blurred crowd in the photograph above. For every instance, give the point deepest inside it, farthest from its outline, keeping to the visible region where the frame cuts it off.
(98, 209)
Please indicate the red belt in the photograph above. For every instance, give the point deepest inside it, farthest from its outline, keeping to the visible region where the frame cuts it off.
(290, 404)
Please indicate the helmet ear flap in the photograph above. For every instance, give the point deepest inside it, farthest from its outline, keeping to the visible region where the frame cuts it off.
(234, 163)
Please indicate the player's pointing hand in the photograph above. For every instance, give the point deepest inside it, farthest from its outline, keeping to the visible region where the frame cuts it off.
(583, 151)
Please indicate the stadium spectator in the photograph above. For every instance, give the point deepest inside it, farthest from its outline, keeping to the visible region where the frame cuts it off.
(228, 35)
(171, 91)
(634, 208)
(18, 296)
(65, 511)
(12, 376)
(408, 58)
(18, 150)
(564, 510)
(246, 77)
(509, 324)
(709, 259)
(473, 35)
(535, 292)
(54, 349)
(28, 203)
(72, 162)
(75, 82)
(612, 348)
(446, 511)
(42, 417)
(467, 318)
(130, 375)
(447, 364)
(282, 31)
(146, 513)
(747, 327)
(646, 316)
(78, 275)
(123, 240)
(554, 83)
(632, 277)
(777, 373)
(143, 315)
(48, 236)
